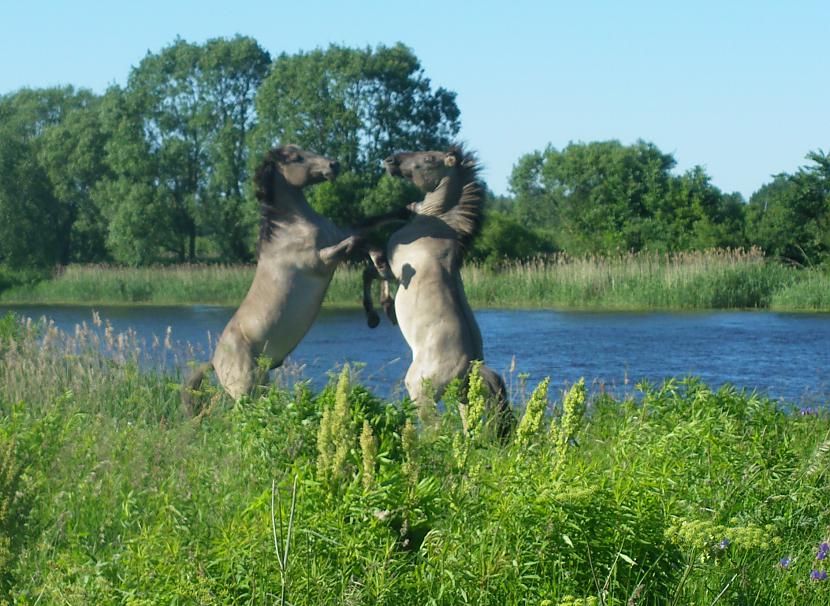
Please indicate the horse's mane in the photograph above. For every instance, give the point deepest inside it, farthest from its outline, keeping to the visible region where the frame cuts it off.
(461, 211)
(269, 210)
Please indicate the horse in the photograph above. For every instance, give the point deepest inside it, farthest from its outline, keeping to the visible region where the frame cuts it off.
(297, 253)
(425, 258)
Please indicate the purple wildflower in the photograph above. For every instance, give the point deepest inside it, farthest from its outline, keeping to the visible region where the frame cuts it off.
(823, 550)
(785, 562)
(818, 575)
(724, 543)
(808, 411)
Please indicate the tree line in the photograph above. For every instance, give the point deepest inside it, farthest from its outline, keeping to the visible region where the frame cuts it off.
(158, 170)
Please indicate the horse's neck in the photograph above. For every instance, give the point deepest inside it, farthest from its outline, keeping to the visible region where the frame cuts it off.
(454, 185)
(290, 201)
(441, 199)
(448, 191)
(294, 213)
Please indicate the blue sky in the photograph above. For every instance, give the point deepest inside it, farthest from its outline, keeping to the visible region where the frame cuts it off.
(742, 88)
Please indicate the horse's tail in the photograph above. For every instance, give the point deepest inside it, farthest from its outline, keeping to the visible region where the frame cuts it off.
(191, 384)
(505, 419)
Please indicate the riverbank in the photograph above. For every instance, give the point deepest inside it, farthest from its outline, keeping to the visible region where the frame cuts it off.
(681, 497)
(687, 281)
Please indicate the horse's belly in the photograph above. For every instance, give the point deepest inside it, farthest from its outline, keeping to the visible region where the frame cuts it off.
(431, 322)
(276, 317)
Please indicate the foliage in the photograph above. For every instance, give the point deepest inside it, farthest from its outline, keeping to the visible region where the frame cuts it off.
(605, 197)
(30, 214)
(503, 237)
(179, 147)
(713, 279)
(790, 217)
(683, 495)
(159, 170)
(356, 105)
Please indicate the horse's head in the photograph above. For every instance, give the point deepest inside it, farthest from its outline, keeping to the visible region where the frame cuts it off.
(425, 169)
(300, 167)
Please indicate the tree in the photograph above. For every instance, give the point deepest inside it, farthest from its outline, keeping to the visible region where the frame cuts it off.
(59, 126)
(29, 212)
(503, 237)
(607, 197)
(73, 154)
(192, 108)
(355, 105)
(28, 111)
(790, 216)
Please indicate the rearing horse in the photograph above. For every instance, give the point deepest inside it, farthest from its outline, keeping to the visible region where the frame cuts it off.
(425, 257)
(297, 253)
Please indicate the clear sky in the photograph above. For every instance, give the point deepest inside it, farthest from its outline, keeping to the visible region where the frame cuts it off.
(740, 87)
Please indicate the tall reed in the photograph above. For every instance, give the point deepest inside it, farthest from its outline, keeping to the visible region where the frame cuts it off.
(714, 279)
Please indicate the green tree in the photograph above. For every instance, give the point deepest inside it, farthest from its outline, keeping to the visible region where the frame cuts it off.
(232, 72)
(701, 216)
(30, 216)
(354, 105)
(73, 154)
(28, 111)
(59, 125)
(503, 237)
(192, 108)
(607, 197)
(790, 216)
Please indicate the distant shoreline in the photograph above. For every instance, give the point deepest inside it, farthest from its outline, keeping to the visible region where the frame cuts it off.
(712, 280)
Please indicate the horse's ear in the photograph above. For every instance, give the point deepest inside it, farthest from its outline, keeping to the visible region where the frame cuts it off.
(279, 155)
(450, 160)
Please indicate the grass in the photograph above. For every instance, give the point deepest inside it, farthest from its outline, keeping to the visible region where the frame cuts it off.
(716, 279)
(109, 496)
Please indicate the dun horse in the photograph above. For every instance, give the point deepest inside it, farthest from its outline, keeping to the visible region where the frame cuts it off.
(297, 253)
(425, 257)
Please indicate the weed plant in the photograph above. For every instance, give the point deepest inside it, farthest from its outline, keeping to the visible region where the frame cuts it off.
(680, 496)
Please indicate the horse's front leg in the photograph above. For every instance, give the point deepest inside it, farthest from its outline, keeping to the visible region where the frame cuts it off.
(371, 224)
(388, 302)
(370, 274)
(335, 254)
(384, 273)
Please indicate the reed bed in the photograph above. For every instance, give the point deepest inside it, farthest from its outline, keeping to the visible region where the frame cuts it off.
(714, 279)
(109, 496)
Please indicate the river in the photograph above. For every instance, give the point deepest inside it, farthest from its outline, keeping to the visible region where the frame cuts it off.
(785, 356)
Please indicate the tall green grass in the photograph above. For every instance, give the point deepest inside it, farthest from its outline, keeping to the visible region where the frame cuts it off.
(716, 279)
(108, 496)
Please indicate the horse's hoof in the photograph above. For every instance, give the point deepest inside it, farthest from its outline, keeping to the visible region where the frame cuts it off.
(373, 320)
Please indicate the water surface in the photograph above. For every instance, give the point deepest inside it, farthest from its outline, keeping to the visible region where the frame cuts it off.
(786, 356)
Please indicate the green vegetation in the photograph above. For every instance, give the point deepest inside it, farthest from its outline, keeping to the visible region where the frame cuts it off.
(695, 280)
(715, 279)
(107, 496)
(158, 171)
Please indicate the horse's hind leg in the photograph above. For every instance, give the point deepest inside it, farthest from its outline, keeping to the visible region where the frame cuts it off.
(497, 404)
(505, 420)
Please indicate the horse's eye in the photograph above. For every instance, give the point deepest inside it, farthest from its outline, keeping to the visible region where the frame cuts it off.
(298, 159)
